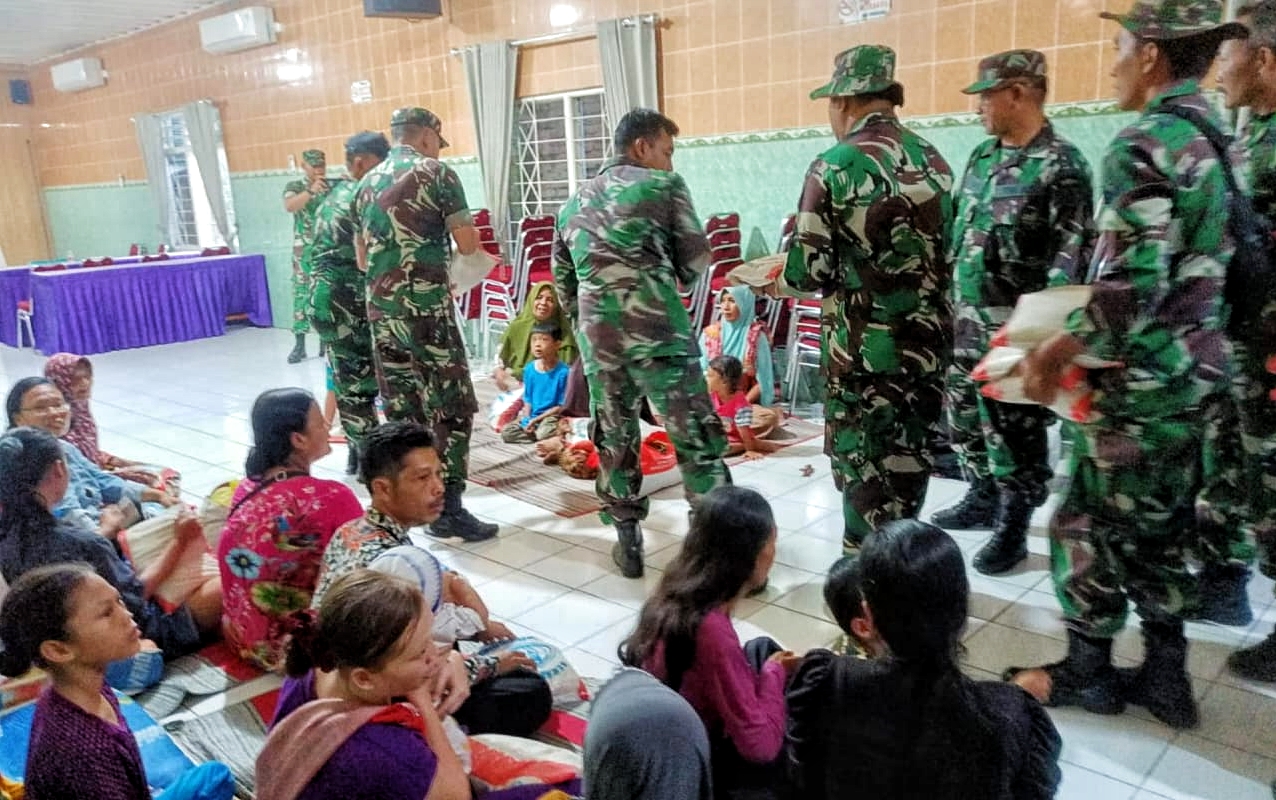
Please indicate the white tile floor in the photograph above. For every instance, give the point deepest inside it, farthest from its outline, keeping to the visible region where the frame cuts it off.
(187, 405)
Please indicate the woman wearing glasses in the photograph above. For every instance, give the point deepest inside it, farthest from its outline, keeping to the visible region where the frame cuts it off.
(100, 499)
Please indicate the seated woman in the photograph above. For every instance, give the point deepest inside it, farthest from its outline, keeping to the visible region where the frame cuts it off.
(98, 498)
(910, 724)
(516, 347)
(685, 638)
(70, 622)
(73, 375)
(280, 521)
(350, 666)
(33, 475)
(739, 334)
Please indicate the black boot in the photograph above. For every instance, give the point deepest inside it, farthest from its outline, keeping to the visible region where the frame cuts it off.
(352, 460)
(298, 353)
(1085, 678)
(978, 509)
(1257, 663)
(1224, 598)
(627, 552)
(455, 521)
(1009, 543)
(1161, 684)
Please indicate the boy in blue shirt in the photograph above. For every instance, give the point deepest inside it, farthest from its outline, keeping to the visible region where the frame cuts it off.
(544, 389)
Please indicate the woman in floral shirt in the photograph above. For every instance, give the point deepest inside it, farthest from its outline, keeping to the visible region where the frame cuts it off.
(279, 525)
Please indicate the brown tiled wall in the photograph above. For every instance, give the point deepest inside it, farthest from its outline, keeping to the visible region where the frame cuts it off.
(728, 66)
(22, 226)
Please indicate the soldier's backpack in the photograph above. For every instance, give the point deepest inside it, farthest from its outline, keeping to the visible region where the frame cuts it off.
(1251, 277)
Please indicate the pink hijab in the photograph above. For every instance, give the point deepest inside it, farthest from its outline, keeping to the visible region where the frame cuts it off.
(60, 369)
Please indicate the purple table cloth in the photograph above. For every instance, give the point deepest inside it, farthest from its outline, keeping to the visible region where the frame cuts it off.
(98, 310)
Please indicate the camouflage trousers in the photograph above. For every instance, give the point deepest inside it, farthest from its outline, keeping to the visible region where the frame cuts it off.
(1253, 389)
(1228, 493)
(424, 377)
(339, 314)
(301, 287)
(877, 435)
(1119, 532)
(676, 387)
(1007, 442)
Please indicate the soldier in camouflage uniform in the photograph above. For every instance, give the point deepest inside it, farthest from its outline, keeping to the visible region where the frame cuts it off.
(302, 199)
(870, 236)
(339, 301)
(624, 243)
(1162, 255)
(1247, 77)
(409, 207)
(1024, 220)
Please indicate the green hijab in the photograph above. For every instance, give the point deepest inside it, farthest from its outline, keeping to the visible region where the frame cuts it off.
(516, 347)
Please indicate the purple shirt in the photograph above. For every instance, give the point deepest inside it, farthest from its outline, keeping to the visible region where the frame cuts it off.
(732, 699)
(75, 755)
(379, 762)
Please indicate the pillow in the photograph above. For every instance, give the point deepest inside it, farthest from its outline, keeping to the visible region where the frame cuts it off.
(501, 762)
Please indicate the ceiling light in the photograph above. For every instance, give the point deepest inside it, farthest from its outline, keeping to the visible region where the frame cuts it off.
(562, 15)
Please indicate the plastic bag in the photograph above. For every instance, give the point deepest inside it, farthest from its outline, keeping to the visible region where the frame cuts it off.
(505, 408)
(564, 681)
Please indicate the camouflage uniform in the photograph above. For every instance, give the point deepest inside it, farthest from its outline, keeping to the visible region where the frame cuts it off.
(870, 235)
(1157, 308)
(407, 207)
(303, 223)
(339, 311)
(624, 243)
(1024, 220)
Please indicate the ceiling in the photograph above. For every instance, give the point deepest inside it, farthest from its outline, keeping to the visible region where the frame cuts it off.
(34, 31)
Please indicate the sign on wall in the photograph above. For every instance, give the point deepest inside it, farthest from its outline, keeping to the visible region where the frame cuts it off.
(853, 11)
(361, 92)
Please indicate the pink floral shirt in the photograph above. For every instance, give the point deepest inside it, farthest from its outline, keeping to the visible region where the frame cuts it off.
(269, 555)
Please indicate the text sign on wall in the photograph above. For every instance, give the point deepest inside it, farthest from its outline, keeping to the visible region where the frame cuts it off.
(361, 92)
(853, 11)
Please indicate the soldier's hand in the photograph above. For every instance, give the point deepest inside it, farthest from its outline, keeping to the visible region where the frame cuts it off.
(318, 186)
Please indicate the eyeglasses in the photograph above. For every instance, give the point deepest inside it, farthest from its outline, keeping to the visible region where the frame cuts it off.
(46, 409)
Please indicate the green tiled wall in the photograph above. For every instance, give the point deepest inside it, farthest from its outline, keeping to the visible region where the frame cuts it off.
(758, 175)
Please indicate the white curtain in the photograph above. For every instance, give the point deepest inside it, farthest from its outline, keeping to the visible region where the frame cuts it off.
(150, 138)
(204, 126)
(628, 51)
(492, 70)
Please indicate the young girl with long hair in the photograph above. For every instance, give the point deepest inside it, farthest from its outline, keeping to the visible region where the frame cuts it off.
(66, 620)
(909, 723)
(685, 637)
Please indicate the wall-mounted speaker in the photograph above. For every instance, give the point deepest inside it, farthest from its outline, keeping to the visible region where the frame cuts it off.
(403, 9)
(20, 92)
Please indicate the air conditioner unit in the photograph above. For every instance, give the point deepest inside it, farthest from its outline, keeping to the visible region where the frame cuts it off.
(78, 75)
(239, 30)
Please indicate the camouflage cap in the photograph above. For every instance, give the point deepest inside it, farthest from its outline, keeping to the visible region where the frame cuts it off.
(414, 115)
(367, 143)
(1009, 67)
(865, 69)
(1159, 20)
(314, 158)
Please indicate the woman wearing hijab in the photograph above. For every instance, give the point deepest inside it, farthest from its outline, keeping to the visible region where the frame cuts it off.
(73, 375)
(516, 348)
(739, 333)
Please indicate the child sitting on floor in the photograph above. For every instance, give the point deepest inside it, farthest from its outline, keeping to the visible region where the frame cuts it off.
(71, 623)
(724, 377)
(845, 600)
(544, 389)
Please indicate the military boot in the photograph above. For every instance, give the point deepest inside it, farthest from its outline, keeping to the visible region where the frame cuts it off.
(1257, 663)
(298, 353)
(458, 522)
(1224, 595)
(1009, 543)
(1084, 678)
(1161, 684)
(978, 509)
(352, 459)
(627, 552)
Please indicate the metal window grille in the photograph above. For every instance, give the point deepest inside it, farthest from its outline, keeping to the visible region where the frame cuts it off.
(562, 141)
(183, 227)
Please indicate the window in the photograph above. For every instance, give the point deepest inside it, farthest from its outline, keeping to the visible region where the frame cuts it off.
(193, 226)
(562, 141)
